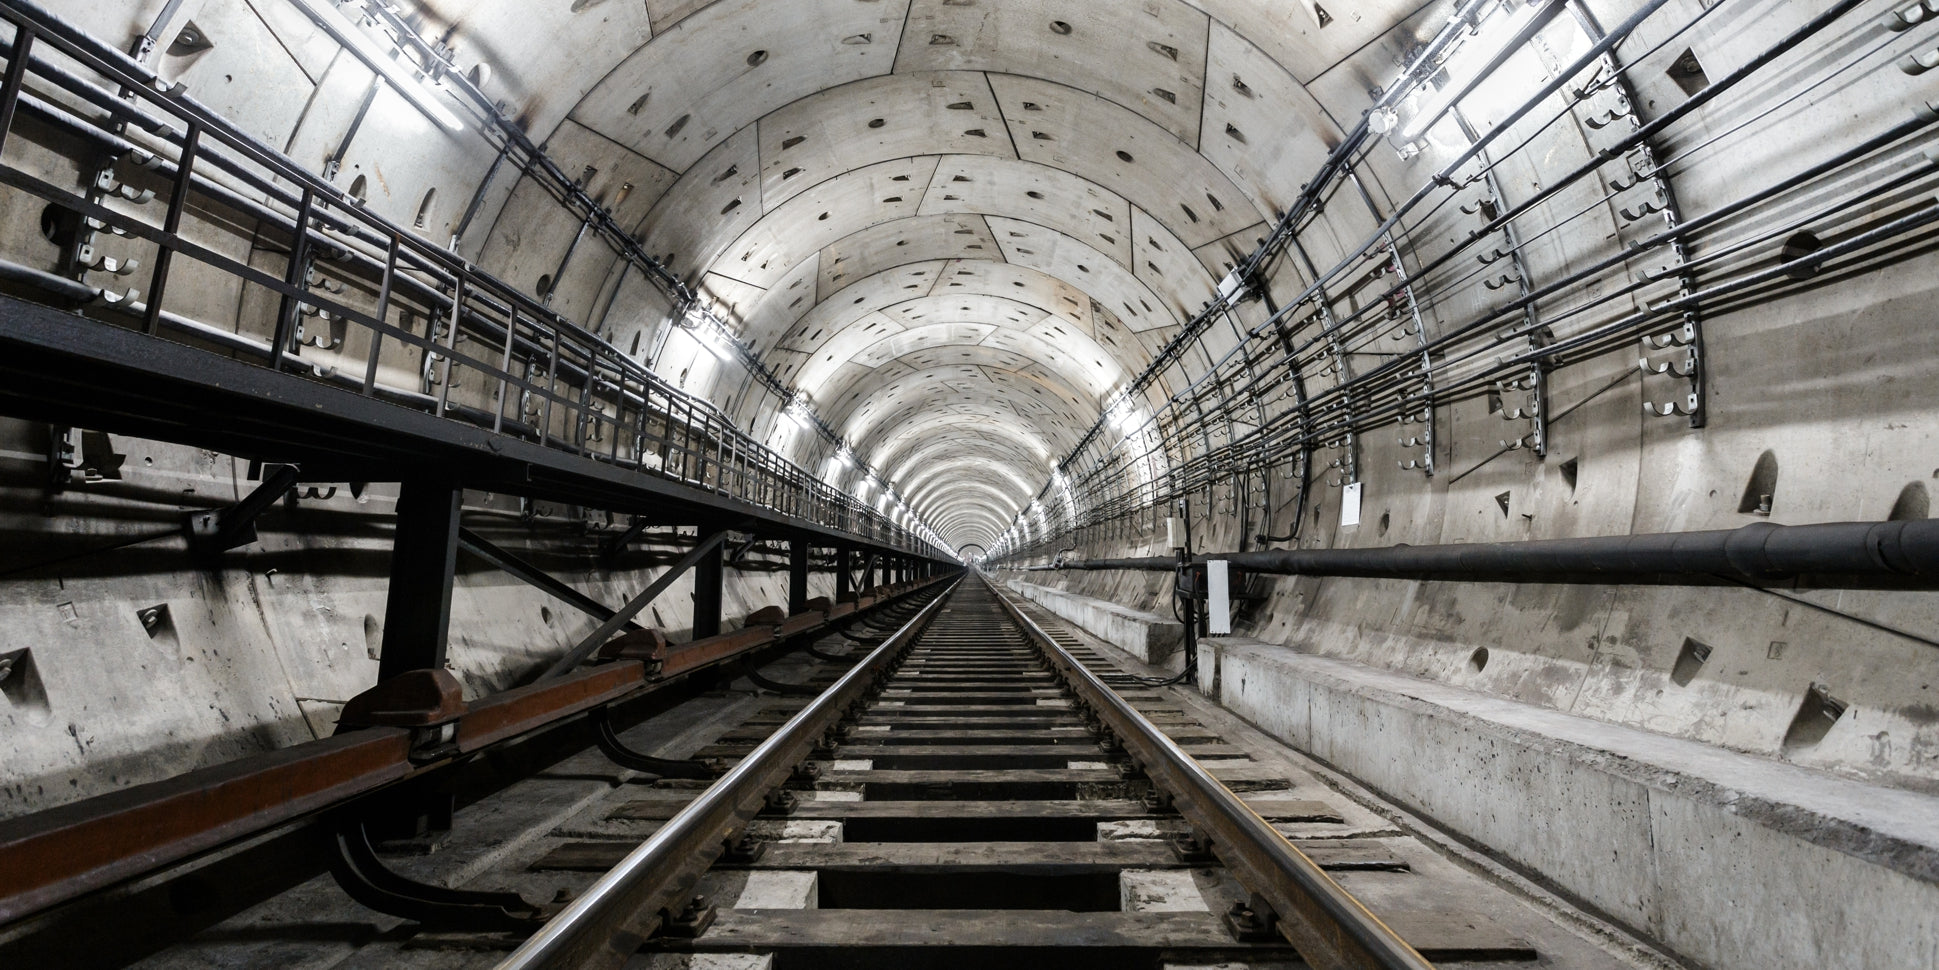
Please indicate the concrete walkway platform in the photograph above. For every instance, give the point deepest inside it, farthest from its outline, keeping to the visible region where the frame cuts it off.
(1733, 860)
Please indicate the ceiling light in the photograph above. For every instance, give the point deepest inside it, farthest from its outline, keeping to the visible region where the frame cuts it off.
(380, 60)
(1471, 63)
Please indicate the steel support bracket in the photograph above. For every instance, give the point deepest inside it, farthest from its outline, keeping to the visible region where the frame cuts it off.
(691, 921)
(618, 753)
(211, 532)
(357, 869)
(1193, 849)
(779, 801)
(743, 851)
(1253, 922)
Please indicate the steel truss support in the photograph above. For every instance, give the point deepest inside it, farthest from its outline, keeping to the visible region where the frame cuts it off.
(217, 531)
(797, 575)
(424, 559)
(709, 545)
(709, 576)
(483, 548)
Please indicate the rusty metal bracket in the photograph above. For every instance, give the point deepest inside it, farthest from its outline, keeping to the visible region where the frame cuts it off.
(1253, 922)
(691, 921)
(743, 851)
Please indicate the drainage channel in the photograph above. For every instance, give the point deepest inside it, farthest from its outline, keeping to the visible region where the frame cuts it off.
(981, 802)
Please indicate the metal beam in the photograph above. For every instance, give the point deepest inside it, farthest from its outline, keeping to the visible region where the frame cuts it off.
(217, 531)
(593, 640)
(61, 369)
(424, 558)
(797, 575)
(709, 578)
(483, 548)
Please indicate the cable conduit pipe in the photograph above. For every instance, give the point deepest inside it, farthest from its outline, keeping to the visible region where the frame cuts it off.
(1896, 554)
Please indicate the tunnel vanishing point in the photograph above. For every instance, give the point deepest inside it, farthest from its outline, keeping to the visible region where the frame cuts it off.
(1516, 416)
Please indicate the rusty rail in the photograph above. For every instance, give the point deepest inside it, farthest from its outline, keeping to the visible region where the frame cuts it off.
(57, 855)
(607, 924)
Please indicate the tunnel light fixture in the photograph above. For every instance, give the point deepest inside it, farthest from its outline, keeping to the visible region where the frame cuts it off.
(711, 333)
(385, 62)
(1121, 414)
(1507, 28)
(799, 412)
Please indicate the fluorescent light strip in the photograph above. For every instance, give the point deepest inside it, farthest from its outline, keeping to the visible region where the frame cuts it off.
(353, 37)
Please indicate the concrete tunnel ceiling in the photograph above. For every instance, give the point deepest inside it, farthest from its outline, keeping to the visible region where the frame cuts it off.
(958, 227)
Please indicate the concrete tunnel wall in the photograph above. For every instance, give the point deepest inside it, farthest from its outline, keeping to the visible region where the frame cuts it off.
(1086, 173)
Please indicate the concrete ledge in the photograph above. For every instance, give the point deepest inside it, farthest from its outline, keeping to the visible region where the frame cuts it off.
(1151, 638)
(1730, 859)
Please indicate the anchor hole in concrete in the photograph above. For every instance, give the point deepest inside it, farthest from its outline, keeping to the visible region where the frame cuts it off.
(1689, 661)
(20, 681)
(1762, 487)
(1799, 246)
(1817, 713)
(1688, 72)
(424, 207)
(1913, 503)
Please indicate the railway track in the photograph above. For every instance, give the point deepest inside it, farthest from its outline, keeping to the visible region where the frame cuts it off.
(979, 785)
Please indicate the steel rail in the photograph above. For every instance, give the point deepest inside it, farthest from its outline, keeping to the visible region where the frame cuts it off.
(1328, 926)
(606, 925)
(57, 855)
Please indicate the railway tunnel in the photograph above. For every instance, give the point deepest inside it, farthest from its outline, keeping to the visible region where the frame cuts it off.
(866, 483)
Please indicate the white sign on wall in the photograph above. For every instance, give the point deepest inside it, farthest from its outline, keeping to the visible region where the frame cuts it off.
(1218, 597)
(1350, 505)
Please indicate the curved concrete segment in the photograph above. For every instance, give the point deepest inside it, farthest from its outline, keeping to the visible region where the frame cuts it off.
(1040, 281)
